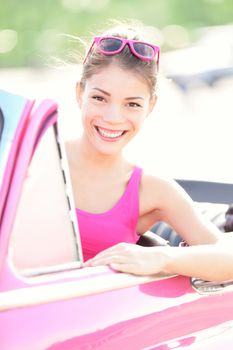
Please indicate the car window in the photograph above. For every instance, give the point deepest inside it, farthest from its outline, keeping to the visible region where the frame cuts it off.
(45, 235)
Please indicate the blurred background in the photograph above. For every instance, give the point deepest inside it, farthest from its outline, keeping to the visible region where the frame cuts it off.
(189, 134)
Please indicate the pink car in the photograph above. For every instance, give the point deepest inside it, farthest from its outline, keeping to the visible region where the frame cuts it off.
(47, 300)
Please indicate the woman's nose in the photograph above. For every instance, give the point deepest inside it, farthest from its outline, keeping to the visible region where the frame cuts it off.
(113, 114)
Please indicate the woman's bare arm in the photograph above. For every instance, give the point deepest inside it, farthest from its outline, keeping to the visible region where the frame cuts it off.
(213, 262)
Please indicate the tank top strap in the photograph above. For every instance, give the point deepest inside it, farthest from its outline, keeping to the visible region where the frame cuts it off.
(131, 198)
(135, 178)
(131, 194)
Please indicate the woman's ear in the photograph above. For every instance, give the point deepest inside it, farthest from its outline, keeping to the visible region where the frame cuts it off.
(152, 103)
(79, 93)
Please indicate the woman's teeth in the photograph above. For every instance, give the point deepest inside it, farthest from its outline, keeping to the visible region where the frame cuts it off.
(110, 133)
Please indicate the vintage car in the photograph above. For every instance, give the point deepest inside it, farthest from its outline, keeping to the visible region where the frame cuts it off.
(47, 300)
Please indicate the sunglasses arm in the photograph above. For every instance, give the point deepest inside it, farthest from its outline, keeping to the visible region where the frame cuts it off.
(87, 54)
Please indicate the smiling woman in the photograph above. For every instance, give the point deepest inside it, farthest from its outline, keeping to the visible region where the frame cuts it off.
(116, 93)
(116, 202)
(111, 114)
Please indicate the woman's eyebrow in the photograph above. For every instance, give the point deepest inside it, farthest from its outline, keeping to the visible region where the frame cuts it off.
(104, 92)
(108, 94)
(135, 98)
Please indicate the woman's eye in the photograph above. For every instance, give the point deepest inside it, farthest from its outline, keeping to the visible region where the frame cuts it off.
(134, 105)
(98, 98)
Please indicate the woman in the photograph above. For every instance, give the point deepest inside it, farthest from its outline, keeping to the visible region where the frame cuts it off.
(116, 201)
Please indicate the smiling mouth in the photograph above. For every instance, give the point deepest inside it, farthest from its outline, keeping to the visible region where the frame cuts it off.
(110, 134)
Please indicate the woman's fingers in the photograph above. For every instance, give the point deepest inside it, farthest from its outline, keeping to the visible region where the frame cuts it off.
(109, 259)
(105, 257)
(131, 258)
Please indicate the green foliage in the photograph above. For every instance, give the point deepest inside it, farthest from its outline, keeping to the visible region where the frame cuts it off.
(31, 30)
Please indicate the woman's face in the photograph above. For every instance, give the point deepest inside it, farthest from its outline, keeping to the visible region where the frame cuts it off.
(114, 103)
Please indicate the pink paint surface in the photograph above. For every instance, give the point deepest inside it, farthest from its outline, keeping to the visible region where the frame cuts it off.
(158, 313)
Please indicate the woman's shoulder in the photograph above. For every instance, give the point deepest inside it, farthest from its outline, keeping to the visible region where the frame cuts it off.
(157, 190)
(152, 181)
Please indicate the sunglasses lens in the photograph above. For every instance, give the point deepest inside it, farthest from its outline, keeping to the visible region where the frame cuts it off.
(110, 45)
(144, 50)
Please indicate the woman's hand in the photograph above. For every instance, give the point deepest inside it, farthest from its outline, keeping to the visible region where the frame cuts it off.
(212, 262)
(132, 258)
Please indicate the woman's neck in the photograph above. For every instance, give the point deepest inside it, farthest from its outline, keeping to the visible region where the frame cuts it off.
(90, 157)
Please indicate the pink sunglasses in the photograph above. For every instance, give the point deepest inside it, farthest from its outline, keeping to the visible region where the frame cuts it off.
(110, 45)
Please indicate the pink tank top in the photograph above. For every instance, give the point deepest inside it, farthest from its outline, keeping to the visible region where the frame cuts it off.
(101, 231)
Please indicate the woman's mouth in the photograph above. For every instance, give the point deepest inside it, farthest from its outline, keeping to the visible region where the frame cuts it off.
(110, 135)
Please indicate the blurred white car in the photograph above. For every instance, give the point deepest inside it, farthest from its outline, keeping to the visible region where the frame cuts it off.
(207, 61)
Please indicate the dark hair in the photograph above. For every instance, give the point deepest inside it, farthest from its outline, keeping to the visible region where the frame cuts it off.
(96, 61)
